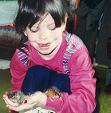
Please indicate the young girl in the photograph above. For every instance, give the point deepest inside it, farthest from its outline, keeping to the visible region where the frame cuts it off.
(51, 57)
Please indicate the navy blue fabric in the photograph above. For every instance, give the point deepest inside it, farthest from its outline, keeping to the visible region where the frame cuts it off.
(39, 78)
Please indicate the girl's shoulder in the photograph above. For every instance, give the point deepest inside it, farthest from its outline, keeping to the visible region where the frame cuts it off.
(75, 41)
(21, 55)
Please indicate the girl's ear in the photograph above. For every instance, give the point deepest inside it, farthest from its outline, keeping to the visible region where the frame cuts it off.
(25, 33)
(65, 23)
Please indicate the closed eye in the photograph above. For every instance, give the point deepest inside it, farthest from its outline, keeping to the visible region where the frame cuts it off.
(34, 28)
(51, 26)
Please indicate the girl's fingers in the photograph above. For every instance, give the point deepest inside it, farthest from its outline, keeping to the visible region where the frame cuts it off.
(21, 107)
(16, 107)
(8, 101)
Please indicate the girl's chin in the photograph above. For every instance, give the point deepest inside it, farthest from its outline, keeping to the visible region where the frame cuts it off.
(46, 52)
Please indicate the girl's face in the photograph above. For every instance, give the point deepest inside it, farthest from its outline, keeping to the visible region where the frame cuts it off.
(44, 36)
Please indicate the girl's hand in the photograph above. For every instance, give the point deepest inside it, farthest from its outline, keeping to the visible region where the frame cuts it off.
(38, 99)
(8, 101)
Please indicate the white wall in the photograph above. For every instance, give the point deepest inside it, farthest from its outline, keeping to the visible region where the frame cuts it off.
(8, 11)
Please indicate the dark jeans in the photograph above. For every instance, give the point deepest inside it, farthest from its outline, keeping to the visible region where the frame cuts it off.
(39, 78)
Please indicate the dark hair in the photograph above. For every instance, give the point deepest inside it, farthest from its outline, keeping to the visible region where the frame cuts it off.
(30, 12)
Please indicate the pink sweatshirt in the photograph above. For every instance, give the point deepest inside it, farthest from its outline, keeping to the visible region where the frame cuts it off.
(82, 83)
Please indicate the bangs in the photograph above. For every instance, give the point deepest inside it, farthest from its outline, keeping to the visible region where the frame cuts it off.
(56, 10)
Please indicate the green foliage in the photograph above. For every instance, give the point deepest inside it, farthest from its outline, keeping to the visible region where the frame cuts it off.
(4, 86)
(105, 102)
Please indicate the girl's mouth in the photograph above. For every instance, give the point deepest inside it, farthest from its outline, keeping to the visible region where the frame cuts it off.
(44, 45)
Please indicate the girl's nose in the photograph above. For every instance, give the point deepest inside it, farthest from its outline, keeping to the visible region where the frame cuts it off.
(43, 34)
